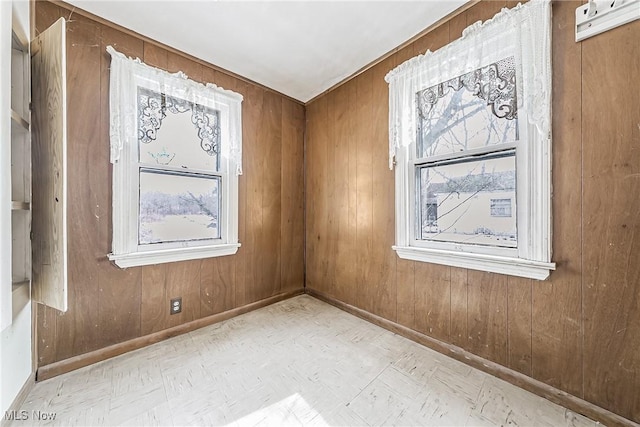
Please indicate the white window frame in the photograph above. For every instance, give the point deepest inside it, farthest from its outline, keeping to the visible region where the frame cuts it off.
(532, 257)
(126, 251)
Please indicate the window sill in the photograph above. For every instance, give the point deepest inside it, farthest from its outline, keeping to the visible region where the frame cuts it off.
(172, 255)
(495, 264)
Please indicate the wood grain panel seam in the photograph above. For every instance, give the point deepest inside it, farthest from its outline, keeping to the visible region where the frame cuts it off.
(531, 329)
(582, 317)
(507, 355)
(450, 309)
(305, 180)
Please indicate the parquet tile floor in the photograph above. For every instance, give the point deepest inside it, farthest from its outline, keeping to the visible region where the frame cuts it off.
(297, 362)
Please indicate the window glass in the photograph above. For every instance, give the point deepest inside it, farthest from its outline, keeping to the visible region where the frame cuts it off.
(178, 207)
(162, 139)
(474, 110)
(469, 201)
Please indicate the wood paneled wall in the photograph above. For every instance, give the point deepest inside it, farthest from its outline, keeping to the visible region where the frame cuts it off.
(579, 330)
(108, 305)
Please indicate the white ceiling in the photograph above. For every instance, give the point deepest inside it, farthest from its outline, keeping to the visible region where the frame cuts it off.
(299, 48)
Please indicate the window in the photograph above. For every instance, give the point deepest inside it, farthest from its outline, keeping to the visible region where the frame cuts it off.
(501, 207)
(470, 140)
(456, 203)
(176, 154)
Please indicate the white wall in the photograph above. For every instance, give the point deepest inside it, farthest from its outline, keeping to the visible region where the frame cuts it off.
(15, 349)
(15, 339)
(5, 165)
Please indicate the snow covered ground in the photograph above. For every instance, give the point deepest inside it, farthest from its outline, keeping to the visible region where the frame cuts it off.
(172, 228)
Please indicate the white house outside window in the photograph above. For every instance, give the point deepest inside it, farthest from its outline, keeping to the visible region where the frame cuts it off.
(176, 154)
(470, 135)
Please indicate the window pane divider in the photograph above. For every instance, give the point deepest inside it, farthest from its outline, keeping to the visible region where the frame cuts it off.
(181, 171)
(471, 154)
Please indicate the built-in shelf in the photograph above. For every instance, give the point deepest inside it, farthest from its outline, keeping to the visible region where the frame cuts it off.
(16, 261)
(16, 284)
(18, 43)
(17, 119)
(20, 206)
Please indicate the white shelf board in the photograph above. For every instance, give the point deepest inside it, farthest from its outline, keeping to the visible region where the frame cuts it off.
(20, 206)
(17, 284)
(17, 119)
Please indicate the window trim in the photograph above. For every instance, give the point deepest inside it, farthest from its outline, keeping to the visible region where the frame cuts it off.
(456, 246)
(126, 250)
(532, 258)
(222, 215)
(534, 210)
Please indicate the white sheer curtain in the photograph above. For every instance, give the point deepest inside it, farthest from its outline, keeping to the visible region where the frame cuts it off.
(524, 32)
(126, 72)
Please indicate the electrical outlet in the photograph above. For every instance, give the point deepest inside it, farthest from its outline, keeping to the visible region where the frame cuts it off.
(176, 306)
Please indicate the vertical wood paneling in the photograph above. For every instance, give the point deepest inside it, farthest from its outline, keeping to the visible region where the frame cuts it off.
(534, 327)
(182, 280)
(406, 293)
(192, 69)
(153, 310)
(217, 277)
(611, 223)
(433, 300)
(519, 324)
(351, 294)
(78, 327)
(330, 244)
(579, 329)
(155, 56)
(108, 305)
(316, 195)
(324, 259)
(487, 315)
(292, 210)
(484, 10)
(312, 173)
(253, 167)
(340, 114)
(556, 303)
(271, 194)
(456, 25)
(459, 297)
(364, 189)
(382, 287)
(45, 15)
(432, 41)
(240, 258)
(45, 340)
(119, 300)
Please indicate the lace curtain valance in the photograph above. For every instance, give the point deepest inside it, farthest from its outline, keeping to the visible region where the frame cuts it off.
(128, 125)
(524, 32)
